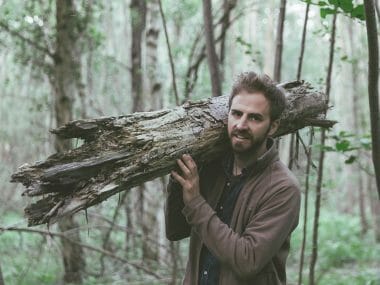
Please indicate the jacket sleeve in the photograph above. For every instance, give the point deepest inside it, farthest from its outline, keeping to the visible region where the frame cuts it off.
(176, 225)
(247, 253)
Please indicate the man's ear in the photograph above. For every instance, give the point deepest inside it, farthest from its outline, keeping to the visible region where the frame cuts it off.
(273, 127)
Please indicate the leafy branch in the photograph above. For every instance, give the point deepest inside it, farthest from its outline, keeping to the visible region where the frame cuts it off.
(346, 7)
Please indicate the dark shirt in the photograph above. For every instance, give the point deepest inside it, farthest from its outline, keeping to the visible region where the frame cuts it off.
(209, 266)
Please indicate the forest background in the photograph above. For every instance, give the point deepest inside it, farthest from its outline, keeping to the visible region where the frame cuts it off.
(63, 60)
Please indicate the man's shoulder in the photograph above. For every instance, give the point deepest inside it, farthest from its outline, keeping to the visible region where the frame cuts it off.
(278, 176)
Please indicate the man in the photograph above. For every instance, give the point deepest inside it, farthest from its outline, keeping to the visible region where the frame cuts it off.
(240, 209)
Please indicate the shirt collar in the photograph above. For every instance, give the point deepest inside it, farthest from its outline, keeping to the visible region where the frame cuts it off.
(257, 165)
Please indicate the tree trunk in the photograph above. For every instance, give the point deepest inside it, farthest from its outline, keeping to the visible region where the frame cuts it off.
(318, 193)
(149, 195)
(375, 207)
(373, 86)
(197, 55)
(1, 277)
(212, 58)
(152, 34)
(279, 43)
(138, 23)
(172, 66)
(138, 19)
(308, 153)
(228, 5)
(377, 10)
(309, 164)
(67, 72)
(357, 130)
(294, 142)
(303, 41)
(122, 152)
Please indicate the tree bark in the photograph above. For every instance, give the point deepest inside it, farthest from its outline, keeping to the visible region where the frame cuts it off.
(279, 42)
(318, 192)
(212, 58)
(138, 21)
(357, 130)
(197, 55)
(152, 35)
(149, 199)
(65, 81)
(122, 152)
(303, 41)
(172, 66)
(293, 148)
(1, 277)
(377, 6)
(228, 5)
(309, 164)
(373, 85)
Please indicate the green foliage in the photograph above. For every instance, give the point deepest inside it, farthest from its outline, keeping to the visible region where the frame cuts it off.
(346, 143)
(346, 7)
(344, 255)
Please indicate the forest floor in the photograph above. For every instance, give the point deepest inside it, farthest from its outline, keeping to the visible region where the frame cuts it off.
(345, 256)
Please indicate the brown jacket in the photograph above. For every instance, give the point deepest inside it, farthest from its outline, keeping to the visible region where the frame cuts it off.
(253, 250)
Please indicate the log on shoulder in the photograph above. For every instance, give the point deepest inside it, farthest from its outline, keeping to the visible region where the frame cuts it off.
(119, 153)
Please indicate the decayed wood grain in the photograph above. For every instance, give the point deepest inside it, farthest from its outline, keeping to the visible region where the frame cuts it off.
(119, 153)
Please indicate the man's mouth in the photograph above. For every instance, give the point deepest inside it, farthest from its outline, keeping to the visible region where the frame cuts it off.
(241, 136)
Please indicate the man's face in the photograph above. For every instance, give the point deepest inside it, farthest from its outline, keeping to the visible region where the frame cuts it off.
(249, 122)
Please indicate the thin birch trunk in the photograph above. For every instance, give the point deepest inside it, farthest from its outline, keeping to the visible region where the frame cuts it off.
(318, 196)
(138, 11)
(1, 277)
(212, 58)
(306, 205)
(357, 130)
(67, 71)
(373, 85)
(172, 66)
(279, 42)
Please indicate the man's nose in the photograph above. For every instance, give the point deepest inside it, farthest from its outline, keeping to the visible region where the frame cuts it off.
(242, 123)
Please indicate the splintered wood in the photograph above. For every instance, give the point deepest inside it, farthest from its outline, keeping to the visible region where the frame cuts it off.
(121, 152)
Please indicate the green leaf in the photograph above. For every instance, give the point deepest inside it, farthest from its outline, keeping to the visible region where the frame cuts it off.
(322, 3)
(334, 2)
(326, 148)
(350, 160)
(346, 5)
(342, 145)
(358, 12)
(344, 58)
(326, 11)
(344, 134)
(366, 143)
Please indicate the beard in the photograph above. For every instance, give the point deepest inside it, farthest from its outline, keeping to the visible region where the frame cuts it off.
(243, 142)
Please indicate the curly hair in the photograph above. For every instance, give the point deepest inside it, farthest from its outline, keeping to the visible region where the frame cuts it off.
(253, 83)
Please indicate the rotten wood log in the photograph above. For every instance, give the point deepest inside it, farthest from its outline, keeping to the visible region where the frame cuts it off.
(121, 152)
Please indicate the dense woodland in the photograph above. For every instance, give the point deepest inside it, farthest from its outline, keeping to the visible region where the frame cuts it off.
(65, 60)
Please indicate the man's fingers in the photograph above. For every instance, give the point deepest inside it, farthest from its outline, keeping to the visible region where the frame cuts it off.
(178, 177)
(185, 170)
(189, 162)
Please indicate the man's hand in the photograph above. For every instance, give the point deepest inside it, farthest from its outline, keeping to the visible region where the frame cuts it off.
(189, 179)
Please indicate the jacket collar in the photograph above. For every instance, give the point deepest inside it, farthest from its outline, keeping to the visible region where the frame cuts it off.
(261, 163)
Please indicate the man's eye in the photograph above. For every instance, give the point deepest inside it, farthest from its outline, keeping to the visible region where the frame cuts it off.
(254, 118)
